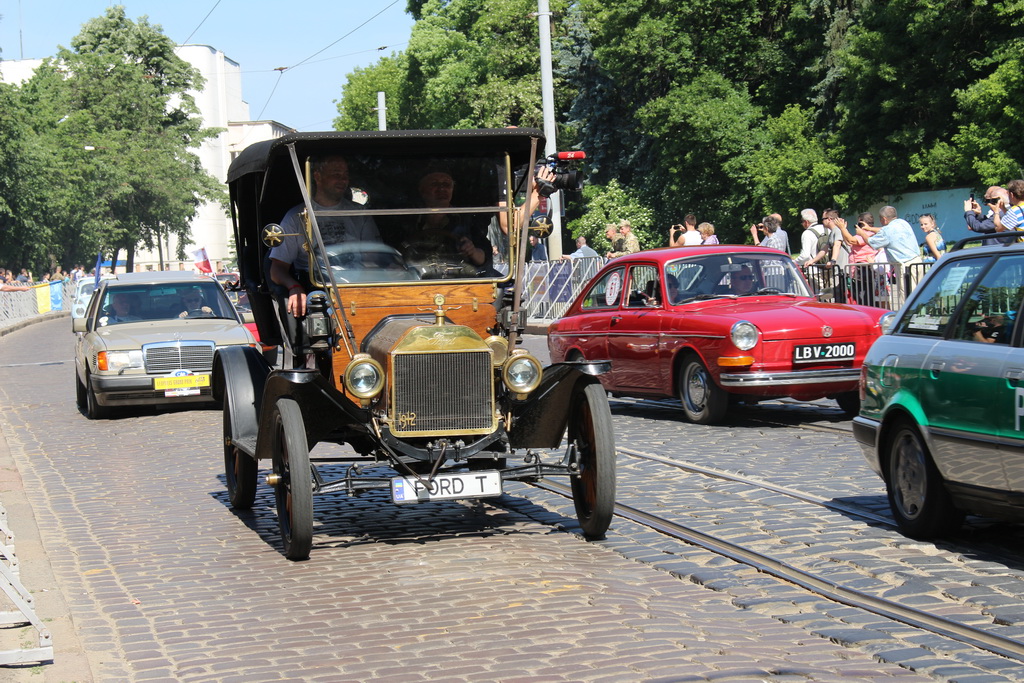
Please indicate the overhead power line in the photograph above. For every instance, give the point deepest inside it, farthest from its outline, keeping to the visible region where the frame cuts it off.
(185, 42)
(344, 36)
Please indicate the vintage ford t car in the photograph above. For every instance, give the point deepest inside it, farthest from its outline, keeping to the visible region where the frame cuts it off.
(706, 324)
(407, 348)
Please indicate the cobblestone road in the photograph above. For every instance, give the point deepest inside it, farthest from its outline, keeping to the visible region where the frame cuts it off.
(144, 572)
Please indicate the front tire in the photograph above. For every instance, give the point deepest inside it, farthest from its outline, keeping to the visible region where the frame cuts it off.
(704, 402)
(917, 496)
(590, 431)
(81, 399)
(93, 410)
(294, 485)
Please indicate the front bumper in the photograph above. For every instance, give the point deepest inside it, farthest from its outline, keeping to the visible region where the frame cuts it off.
(865, 431)
(800, 377)
(137, 390)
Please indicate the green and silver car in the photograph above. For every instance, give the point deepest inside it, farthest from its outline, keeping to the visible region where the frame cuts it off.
(152, 338)
(942, 397)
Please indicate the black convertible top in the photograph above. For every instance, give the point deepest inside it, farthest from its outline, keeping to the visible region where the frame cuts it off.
(260, 156)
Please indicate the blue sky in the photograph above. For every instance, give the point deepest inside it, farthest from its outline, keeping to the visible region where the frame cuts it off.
(260, 35)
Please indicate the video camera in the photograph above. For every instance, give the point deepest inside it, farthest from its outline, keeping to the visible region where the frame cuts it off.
(567, 176)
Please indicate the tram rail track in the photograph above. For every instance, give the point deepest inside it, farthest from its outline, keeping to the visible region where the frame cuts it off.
(803, 496)
(816, 584)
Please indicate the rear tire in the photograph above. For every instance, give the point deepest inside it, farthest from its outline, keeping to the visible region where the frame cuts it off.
(917, 495)
(240, 470)
(849, 402)
(590, 431)
(294, 489)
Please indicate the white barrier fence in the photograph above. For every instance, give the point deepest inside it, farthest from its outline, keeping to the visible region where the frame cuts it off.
(35, 301)
(552, 285)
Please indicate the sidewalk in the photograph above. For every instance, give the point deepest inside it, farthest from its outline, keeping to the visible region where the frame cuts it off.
(71, 663)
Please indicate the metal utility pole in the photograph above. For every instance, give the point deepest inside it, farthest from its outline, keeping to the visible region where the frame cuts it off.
(382, 119)
(547, 90)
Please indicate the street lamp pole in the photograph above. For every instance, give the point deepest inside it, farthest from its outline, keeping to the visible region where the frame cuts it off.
(547, 90)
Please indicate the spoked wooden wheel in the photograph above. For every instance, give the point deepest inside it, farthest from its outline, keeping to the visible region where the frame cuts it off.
(240, 470)
(590, 431)
(293, 482)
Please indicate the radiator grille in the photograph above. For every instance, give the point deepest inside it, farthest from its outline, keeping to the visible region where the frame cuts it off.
(449, 393)
(166, 357)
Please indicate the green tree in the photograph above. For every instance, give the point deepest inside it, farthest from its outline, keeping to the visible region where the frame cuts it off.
(901, 68)
(111, 133)
(612, 203)
(469, 64)
(358, 104)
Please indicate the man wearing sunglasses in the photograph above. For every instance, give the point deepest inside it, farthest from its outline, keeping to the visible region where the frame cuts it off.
(1012, 219)
(742, 281)
(194, 305)
(996, 199)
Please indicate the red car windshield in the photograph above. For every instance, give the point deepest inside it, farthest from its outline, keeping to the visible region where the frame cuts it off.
(735, 274)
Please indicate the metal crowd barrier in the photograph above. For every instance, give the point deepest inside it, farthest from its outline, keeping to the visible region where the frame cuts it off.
(35, 301)
(884, 285)
(552, 285)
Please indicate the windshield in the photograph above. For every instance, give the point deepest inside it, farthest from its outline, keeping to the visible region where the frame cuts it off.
(734, 275)
(390, 218)
(185, 300)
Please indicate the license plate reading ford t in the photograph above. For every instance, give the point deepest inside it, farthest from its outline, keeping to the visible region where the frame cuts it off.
(823, 353)
(446, 487)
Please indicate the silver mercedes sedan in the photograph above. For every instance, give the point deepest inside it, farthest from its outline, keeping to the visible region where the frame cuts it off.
(152, 338)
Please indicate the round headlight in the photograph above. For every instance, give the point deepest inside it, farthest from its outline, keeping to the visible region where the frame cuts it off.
(364, 377)
(521, 373)
(886, 322)
(744, 335)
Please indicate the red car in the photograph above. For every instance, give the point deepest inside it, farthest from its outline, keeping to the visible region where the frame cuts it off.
(707, 323)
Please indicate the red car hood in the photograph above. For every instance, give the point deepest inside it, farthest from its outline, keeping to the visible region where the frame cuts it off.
(779, 318)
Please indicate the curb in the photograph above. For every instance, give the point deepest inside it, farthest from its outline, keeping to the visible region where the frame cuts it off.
(538, 327)
(25, 322)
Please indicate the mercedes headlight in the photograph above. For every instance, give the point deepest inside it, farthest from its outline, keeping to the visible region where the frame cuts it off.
(744, 335)
(119, 361)
(364, 378)
(521, 373)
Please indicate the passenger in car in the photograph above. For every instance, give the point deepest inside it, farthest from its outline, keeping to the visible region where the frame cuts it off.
(991, 330)
(672, 286)
(453, 237)
(120, 310)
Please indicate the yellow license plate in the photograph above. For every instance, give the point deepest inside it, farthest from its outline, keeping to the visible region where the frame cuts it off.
(181, 382)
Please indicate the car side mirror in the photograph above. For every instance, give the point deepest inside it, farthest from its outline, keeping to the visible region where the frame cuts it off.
(248, 318)
(79, 325)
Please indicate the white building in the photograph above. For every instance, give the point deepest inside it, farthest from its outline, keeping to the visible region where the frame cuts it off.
(221, 106)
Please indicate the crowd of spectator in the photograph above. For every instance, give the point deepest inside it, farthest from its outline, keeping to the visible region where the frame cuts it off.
(11, 281)
(830, 242)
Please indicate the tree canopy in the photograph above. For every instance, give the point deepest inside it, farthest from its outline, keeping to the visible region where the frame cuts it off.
(729, 109)
(103, 148)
